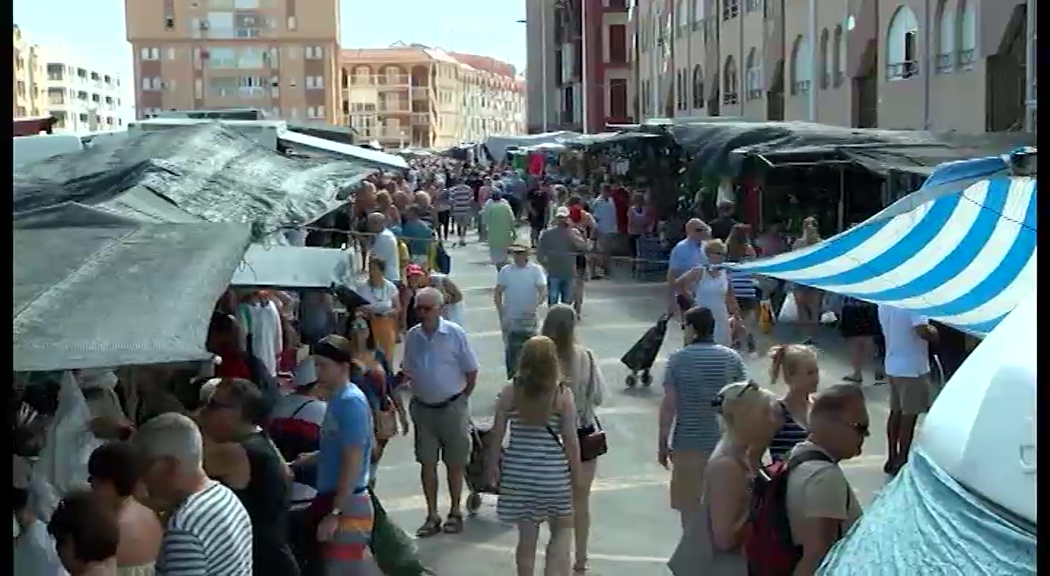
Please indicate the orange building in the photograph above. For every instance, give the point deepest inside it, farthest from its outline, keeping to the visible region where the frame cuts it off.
(415, 95)
(275, 56)
(29, 86)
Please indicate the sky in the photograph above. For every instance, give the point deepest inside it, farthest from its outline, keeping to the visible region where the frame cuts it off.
(95, 29)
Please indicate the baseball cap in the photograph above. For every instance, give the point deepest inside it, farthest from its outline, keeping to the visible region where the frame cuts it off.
(561, 212)
(415, 270)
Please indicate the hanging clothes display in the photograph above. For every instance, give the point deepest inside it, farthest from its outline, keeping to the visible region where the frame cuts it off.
(535, 164)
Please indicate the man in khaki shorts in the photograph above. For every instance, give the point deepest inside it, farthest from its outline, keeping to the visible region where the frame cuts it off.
(908, 338)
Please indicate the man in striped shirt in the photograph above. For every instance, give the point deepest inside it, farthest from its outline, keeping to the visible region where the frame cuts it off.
(695, 374)
(208, 532)
(461, 197)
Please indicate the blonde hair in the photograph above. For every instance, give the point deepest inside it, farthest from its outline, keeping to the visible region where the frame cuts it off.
(715, 244)
(560, 326)
(785, 358)
(537, 380)
(422, 199)
(383, 200)
(740, 403)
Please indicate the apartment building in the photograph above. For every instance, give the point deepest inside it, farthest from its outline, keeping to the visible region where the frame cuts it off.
(415, 95)
(269, 54)
(910, 64)
(578, 68)
(81, 96)
(29, 84)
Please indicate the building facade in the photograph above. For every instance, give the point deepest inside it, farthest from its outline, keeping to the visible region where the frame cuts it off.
(414, 95)
(578, 67)
(907, 64)
(81, 96)
(276, 56)
(29, 81)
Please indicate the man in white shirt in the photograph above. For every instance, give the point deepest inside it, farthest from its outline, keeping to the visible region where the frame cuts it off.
(520, 289)
(907, 364)
(384, 246)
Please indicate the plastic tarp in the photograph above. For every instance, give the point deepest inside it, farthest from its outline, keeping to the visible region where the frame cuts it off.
(293, 267)
(99, 296)
(497, 146)
(720, 147)
(925, 522)
(337, 149)
(607, 138)
(206, 171)
(965, 256)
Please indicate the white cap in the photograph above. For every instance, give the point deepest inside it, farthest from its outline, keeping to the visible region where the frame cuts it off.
(561, 212)
(305, 373)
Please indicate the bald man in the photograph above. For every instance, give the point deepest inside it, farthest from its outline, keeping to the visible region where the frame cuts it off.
(686, 255)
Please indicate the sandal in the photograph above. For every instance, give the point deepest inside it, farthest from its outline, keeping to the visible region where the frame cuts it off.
(579, 568)
(853, 378)
(454, 523)
(429, 528)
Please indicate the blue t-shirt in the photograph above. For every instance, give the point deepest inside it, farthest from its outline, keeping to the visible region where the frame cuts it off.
(347, 424)
(417, 236)
(685, 256)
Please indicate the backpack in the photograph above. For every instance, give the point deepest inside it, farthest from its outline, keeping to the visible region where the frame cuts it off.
(770, 550)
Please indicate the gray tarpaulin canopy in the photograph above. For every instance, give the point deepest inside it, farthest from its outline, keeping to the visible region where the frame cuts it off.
(203, 172)
(497, 146)
(116, 291)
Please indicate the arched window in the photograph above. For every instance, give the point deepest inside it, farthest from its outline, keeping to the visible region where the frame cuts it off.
(362, 75)
(946, 28)
(801, 72)
(902, 43)
(838, 54)
(730, 81)
(967, 34)
(698, 87)
(752, 79)
(825, 60)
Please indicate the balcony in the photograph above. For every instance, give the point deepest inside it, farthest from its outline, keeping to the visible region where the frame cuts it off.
(394, 106)
(393, 81)
(361, 80)
(421, 119)
(391, 132)
(420, 93)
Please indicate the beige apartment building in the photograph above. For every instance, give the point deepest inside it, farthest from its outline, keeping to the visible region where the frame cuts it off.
(909, 64)
(268, 54)
(414, 95)
(29, 84)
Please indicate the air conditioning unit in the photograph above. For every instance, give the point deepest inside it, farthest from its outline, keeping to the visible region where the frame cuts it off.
(205, 54)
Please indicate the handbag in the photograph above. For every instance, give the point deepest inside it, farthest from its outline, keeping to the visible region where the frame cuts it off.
(592, 442)
(386, 424)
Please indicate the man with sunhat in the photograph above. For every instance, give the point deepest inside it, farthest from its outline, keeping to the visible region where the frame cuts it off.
(520, 290)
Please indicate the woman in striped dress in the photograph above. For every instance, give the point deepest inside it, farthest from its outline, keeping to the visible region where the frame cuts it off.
(739, 249)
(797, 363)
(542, 459)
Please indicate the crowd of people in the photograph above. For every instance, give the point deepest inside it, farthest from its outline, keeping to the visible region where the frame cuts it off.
(266, 463)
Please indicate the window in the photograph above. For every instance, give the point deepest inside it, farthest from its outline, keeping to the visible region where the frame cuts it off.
(220, 4)
(839, 56)
(901, 45)
(246, 4)
(218, 24)
(172, 53)
(755, 5)
(967, 34)
(730, 82)
(291, 23)
(220, 57)
(315, 82)
(222, 87)
(825, 62)
(198, 88)
(800, 67)
(617, 44)
(149, 54)
(698, 87)
(314, 52)
(730, 9)
(752, 76)
(147, 84)
(946, 25)
(250, 58)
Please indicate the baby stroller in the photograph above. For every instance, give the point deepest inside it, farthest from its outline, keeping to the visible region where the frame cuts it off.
(642, 355)
(477, 469)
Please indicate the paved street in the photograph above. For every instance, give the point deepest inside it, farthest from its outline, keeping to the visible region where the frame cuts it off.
(634, 531)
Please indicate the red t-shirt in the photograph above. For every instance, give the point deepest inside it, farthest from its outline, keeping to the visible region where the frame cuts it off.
(622, 202)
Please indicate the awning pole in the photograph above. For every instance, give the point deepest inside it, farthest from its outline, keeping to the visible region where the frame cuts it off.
(842, 198)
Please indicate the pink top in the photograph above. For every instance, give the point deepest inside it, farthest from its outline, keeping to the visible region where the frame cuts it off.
(639, 221)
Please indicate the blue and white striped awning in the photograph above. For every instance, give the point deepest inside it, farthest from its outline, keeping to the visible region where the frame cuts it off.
(960, 250)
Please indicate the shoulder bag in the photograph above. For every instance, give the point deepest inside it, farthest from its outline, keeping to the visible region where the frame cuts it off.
(592, 438)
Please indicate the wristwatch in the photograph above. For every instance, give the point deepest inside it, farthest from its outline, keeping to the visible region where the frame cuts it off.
(335, 512)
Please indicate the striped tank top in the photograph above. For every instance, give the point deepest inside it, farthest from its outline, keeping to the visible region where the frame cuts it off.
(790, 434)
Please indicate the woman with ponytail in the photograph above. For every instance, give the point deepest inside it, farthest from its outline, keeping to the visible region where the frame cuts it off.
(797, 365)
